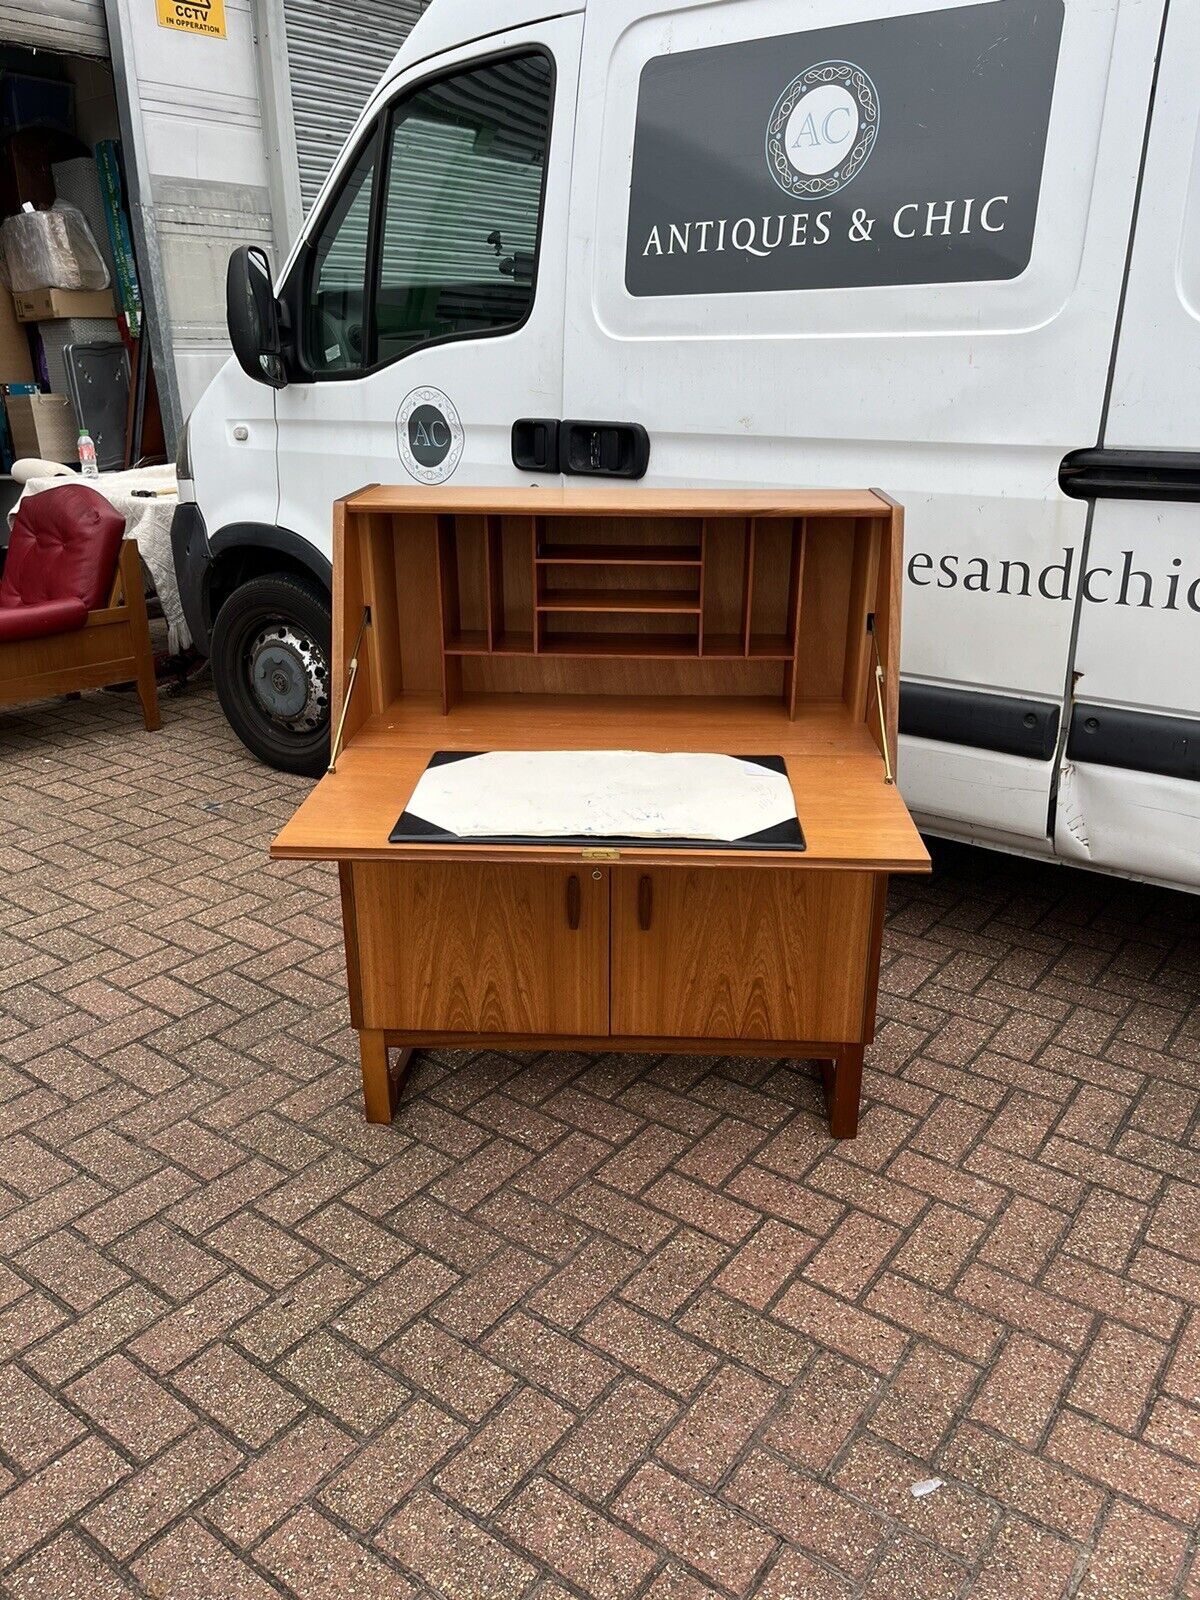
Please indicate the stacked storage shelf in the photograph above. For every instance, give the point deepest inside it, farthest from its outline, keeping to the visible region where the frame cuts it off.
(720, 593)
(639, 601)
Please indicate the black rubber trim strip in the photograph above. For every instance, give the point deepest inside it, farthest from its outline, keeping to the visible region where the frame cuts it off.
(268, 536)
(1140, 741)
(1016, 727)
(189, 550)
(1131, 475)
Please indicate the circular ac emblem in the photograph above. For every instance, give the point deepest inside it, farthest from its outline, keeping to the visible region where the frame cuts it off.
(822, 129)
(429, 435)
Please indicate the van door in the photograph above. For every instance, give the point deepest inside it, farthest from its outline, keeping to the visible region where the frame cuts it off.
(884, 246)
(1130, 790)
(427, 300)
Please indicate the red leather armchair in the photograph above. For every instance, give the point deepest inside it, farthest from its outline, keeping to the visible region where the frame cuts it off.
(72, 608)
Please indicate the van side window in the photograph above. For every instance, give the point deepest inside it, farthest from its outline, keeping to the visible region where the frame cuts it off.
(337, 282)
(462, 207)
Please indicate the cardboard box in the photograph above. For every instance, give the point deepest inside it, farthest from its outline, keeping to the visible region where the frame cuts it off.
(41, 305)
(15, 365)
(43, 425)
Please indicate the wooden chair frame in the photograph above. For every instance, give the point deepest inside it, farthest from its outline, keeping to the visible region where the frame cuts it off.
(113, 646)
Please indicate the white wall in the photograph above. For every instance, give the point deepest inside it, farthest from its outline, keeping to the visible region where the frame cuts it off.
(197, 128)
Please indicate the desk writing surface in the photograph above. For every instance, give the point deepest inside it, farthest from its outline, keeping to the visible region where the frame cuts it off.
(850, 816)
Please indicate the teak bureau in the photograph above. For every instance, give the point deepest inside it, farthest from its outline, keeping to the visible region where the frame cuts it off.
(733, 622)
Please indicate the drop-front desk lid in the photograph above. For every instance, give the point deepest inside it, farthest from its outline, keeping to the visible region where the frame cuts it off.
(849, 817)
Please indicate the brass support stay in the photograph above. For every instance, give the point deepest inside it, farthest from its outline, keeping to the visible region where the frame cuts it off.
(888, 774)
(351, 676)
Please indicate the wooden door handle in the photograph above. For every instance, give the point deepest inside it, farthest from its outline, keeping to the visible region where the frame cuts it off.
(573, 902)
(645, 902)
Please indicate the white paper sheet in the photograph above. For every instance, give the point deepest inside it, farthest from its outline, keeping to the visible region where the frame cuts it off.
(602, 794)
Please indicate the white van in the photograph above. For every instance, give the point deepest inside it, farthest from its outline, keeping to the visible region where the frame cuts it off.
(952, 251)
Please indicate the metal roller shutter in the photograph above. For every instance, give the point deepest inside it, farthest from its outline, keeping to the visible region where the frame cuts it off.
(75, 27)
(337, 52)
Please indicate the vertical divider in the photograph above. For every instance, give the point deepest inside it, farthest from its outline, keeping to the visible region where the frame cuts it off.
(448, 605)
(791, 676)
(350, 595)
(857, 671)
(379, 572)
(703, 565)
(748, 585)
(447, 577)
(494, 567)
(537, 528)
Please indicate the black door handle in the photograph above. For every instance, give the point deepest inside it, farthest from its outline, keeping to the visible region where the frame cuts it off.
(535, 444)
(581, 449)
(603, 449)
(645, 902)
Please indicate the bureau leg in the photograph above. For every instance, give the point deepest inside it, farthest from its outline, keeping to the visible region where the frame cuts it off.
(381, 1083)
(843, 1088)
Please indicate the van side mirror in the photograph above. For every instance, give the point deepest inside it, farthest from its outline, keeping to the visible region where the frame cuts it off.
(252, 313)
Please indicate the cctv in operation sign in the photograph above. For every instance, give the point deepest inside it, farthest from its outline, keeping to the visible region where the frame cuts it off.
(205, 17)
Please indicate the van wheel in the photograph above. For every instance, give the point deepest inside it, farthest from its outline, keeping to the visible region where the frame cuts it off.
(270, 661)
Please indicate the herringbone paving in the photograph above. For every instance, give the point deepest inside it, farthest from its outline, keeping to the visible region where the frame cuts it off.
(612, 1327)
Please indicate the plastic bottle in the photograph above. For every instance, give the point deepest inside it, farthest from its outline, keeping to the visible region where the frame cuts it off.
(87, 455)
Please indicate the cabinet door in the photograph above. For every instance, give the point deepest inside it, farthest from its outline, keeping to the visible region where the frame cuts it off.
(465, 948)
(740, 953)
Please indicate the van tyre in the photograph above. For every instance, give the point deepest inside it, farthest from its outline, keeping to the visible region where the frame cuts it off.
(271, 664)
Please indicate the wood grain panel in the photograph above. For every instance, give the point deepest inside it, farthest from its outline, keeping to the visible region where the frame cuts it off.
(799, 1049)
(828, 562)
(621, 501)
(791, 677)
(471, 541)
(516, 541)
(382, 643)
(495, 582)
(107, 645)
(350, 936)
(417, 607)
(851, 818)
(864, 584)
(740, 954)
(569, 533)
(349, 598)
(480, 948)
(623, 676)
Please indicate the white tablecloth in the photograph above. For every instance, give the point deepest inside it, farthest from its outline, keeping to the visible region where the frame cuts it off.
(147, 521)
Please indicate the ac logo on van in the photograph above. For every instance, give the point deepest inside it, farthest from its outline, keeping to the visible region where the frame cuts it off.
(822, 129)
(429, 435)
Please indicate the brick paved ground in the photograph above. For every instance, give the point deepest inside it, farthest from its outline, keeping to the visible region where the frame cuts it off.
(606, 1328)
